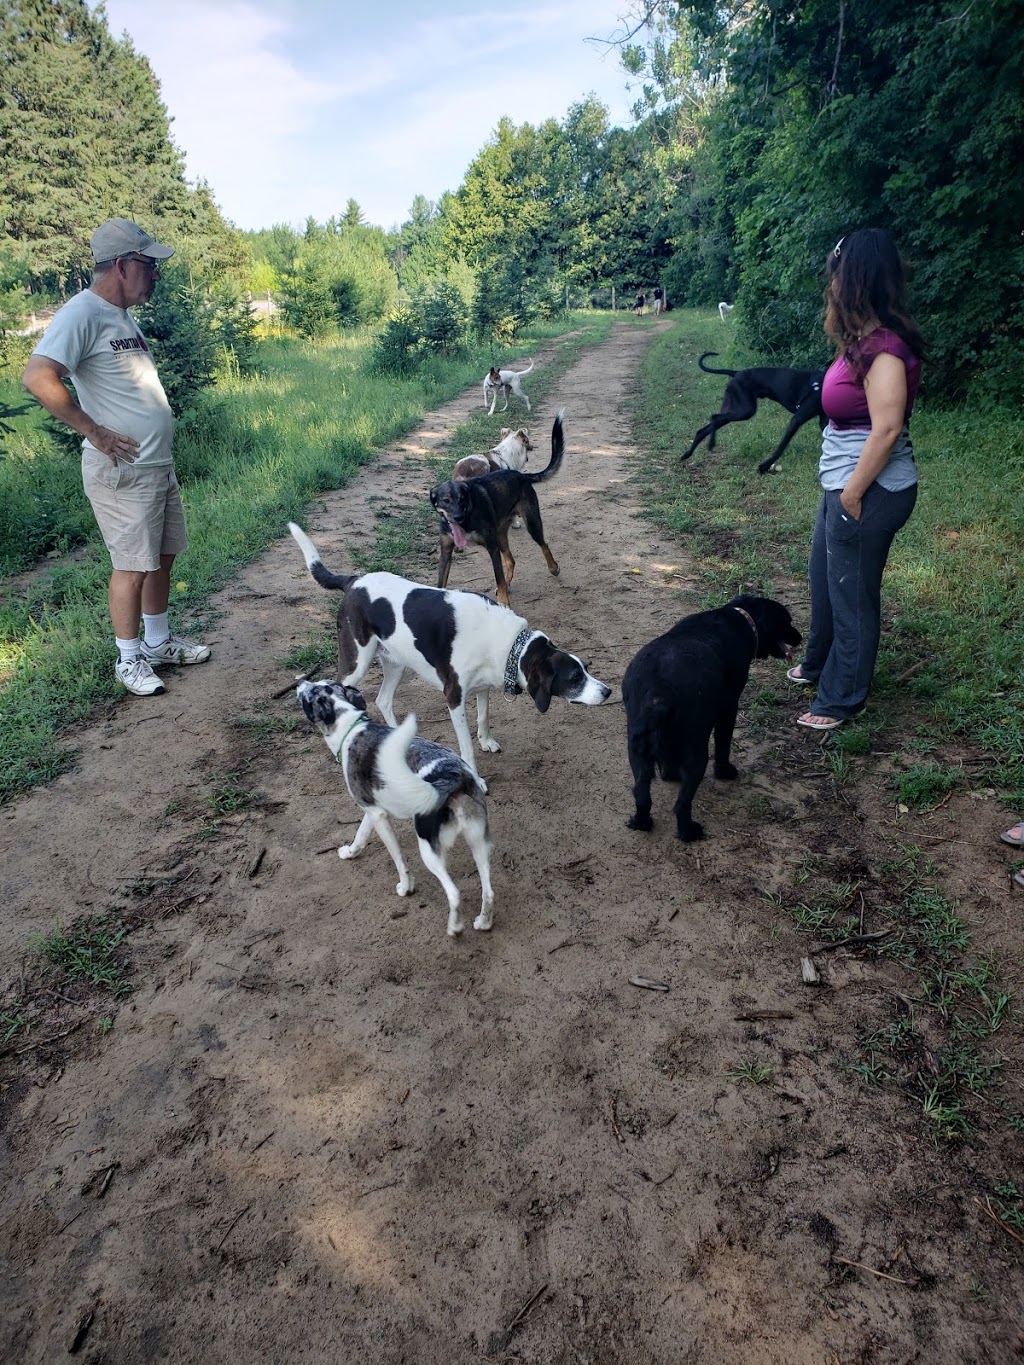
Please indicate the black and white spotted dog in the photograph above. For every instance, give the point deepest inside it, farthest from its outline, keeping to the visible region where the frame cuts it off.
(392, 772)
(461, 643)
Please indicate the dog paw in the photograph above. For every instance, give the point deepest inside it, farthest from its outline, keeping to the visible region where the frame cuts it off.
(490, 745)
(689, 834)
(348, 851)
(484, 921)
(555, 571)
(639, 821)
(455, 925)
(726, 771)
(405, 887)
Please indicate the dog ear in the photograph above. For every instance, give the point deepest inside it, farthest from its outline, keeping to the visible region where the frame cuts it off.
(506, 431)
(354, 697)
(540, 677)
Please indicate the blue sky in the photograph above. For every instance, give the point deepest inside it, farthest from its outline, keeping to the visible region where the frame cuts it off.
(291, 107)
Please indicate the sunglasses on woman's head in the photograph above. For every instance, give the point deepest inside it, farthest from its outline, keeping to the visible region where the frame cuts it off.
(835, 249)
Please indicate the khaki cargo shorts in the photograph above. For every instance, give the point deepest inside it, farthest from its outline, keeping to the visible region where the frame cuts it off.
(138, 510)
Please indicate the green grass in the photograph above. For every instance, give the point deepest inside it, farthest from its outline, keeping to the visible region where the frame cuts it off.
(923, 786)
(955, 990)
(227, 795)
(12, 1023)
(950, 670)
(262, 726)
(953, 597)
(752, 1071)
(88, 952)
(249, 459)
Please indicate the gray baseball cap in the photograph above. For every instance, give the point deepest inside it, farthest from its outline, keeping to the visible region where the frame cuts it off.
(121, 237)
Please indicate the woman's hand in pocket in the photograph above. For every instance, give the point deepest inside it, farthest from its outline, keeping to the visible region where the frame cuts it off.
(851, 504)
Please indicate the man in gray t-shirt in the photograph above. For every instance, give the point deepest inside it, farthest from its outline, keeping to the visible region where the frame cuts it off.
(122, 413)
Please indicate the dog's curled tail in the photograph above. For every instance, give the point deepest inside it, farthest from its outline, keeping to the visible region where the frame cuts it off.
(315, 565)
(527, 370)
(408, 794)
(707, 368)
(557, 451)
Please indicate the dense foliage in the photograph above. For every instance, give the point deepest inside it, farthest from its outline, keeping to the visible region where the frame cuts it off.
(764, 131)
(817, 116)
(84, 136)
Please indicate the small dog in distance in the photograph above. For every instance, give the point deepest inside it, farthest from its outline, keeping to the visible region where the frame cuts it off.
(507, 382)
(724, 309)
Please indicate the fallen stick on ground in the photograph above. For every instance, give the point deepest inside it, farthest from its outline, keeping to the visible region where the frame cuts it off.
(857, 938)
(525, 1309)
(856, 1265)
(752, 1016)
(987, 1208)
(299, 677)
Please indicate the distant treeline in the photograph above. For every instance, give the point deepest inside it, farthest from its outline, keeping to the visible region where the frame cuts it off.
(763, 133)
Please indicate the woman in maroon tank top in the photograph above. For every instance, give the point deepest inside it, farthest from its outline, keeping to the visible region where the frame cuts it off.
(867, 470)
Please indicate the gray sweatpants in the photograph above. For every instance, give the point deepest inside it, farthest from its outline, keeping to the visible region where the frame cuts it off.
(845, 575)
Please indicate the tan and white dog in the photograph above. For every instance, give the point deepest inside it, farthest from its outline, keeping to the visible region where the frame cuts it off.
(511, 452)
(506, 381)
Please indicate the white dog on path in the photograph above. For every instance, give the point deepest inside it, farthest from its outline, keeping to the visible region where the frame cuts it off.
(506, 381)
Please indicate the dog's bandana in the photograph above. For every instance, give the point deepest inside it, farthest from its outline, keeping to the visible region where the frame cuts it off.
(750, 622)
(511, 686)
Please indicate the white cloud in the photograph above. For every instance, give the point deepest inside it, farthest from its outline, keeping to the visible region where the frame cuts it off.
(289, 109)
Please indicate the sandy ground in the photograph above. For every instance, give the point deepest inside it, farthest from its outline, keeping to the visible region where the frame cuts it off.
(319, 1130)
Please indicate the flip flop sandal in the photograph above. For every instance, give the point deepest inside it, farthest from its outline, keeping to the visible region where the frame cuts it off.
(1018, 877)
(813, 722)
(1014, 835)
(795, 676)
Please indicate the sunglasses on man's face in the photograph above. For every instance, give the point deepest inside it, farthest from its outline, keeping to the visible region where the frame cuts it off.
(151, 265)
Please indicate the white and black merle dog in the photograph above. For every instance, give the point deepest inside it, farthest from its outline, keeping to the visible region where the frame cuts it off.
(461, 643)
(392, 772)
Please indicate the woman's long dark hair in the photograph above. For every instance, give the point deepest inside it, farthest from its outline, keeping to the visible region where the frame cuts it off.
(865, 282)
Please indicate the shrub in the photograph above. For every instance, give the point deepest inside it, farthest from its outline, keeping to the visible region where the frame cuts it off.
(179, 323)
(395, 350)
(444, 318)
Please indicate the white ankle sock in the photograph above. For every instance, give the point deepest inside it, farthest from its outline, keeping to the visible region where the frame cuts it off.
(128, 649)
(157, 629)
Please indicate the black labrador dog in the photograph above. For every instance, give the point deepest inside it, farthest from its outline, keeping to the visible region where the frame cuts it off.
(480, 511)
(799, 392)
(686, 684)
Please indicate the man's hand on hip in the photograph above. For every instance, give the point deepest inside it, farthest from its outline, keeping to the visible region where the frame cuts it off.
(113, 445)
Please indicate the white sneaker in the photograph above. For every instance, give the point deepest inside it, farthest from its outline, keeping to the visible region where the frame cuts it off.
(175, 651)
(138, 677)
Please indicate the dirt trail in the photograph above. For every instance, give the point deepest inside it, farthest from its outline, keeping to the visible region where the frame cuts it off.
(338, 1136)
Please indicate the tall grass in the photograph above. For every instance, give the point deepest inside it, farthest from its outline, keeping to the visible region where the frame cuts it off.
(953, 597)
(249, 459)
